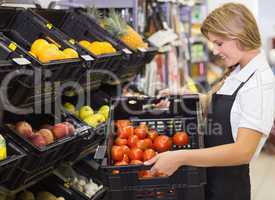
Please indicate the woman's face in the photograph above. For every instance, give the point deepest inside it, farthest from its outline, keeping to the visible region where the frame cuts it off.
(226, 49)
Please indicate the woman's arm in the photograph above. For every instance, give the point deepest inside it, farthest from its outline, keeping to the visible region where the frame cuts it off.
(237, 153)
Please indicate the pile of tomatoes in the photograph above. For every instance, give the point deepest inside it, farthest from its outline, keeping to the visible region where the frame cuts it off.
(135, 145)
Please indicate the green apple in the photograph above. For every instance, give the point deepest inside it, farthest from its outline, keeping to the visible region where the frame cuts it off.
(104, 110)
(85, 111)
(69, 107)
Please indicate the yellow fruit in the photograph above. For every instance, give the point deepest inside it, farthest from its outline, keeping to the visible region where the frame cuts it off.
(108, 48)
(71, 53)
(69, 107)
(96, 48)
(99, 117)
(85, 111)
(104, 110)
(84, 43)
(37, 45)
(32, 54)
(91, 121)
(48, 54)
(132, 39)
(53, 46)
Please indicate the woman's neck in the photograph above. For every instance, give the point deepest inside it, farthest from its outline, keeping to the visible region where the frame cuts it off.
(249, 55)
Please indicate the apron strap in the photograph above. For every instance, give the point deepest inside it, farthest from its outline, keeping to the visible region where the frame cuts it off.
(242, 84)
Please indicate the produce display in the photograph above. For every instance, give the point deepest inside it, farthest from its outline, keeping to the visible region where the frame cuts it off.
(46, 52)
(88, 115)
(117, 26)
(46, 135)
(98, 48)
(135, 145)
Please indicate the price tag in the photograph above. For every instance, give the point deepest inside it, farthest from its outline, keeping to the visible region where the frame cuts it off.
(12, 46)
(21, 61)
(127, 51)
(142, 49)
(49, 26)
(72, 41)
(87, 57)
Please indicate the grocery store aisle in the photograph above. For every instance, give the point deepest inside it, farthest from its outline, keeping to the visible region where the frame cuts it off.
(262, 172)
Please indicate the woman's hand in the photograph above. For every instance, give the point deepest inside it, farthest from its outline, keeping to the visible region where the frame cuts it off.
(164, 163)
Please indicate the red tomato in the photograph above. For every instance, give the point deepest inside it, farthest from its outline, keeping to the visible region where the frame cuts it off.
(125, 132)
(148, 154)
(114, 172)
(122, 123)
(136, 162)
(125, 158)
(121, 163)
(141, 132)
(152, 134)
(125, 149)
(136, 154)
(117, 153)
(162, 143)
(132, 141)
(148, 143)
(145, 174)
(181, 138)
(120, 141)
(141, 144)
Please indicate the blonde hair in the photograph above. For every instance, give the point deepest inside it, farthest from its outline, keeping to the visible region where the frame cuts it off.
(231, 21)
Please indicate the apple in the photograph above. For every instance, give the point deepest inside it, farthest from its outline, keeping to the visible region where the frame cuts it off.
(85, 111)
(38, 140)
(60, 131)
(47, 134)
(71, 127)
(24, 129)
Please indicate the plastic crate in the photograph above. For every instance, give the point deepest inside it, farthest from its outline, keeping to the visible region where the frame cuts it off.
(78, 28)
(45, 157)
(16, 26)
(8, 166)
(183, 111)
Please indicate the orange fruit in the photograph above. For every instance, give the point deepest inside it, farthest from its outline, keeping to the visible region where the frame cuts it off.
(53, 46)
(48, 54)
(84, 43)
(32, 54)
(37, 45)
(70, 53)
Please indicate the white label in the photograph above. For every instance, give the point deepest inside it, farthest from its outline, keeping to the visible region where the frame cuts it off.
(127, 51)
(142, 49)
(21, 61)
(87, 57)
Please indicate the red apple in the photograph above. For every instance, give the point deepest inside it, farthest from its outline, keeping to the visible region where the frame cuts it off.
(60, 131)
(38, 140)
(47, 134)
(70, 127)
(24, 129)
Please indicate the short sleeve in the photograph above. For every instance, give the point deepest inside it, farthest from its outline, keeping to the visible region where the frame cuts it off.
(257, 107)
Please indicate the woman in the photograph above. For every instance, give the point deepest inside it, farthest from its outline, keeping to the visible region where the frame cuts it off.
(243, 105)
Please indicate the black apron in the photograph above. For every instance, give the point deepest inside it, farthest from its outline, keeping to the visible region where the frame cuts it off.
(225, 183)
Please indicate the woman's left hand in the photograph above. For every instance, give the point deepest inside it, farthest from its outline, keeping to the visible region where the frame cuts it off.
(164, 163)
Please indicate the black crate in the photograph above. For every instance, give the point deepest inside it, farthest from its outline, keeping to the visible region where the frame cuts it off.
(8, 166)
(77, 28)
(40, 158)
(17, 25)
(162, 193)
(55, 186)
(183, 110)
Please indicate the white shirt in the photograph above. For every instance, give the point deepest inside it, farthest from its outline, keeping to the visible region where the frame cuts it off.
(254, 106)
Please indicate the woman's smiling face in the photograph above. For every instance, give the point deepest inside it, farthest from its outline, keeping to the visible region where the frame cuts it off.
(227, 49)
